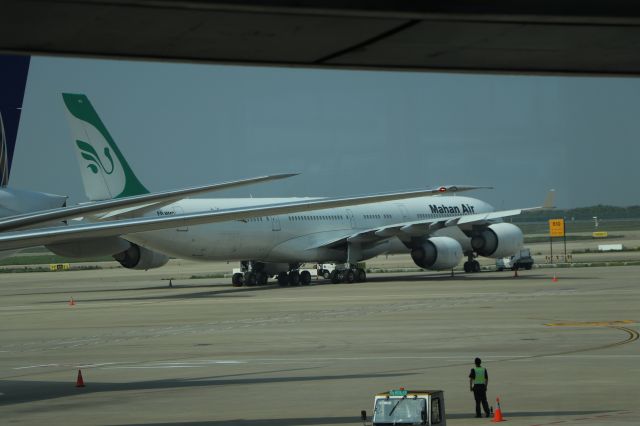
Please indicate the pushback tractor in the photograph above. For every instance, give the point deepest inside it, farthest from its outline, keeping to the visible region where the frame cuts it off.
(407, 407)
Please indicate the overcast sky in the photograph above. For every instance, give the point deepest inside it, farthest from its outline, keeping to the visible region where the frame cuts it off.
(347, 132)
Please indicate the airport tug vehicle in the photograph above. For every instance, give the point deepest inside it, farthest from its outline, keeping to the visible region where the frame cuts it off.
(407, 407)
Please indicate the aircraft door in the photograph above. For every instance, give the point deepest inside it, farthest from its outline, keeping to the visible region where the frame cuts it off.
(275, 223)
(352, 219)
(404, 213)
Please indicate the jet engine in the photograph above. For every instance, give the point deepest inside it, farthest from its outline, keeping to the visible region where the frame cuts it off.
(136, 257)
(438, 253)
(497, 240)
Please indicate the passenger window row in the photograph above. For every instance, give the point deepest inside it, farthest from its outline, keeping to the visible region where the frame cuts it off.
(315, 217)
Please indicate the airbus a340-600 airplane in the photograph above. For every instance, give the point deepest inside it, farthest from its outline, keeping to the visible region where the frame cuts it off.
(437, 230)
(122, 205)
(270, 236)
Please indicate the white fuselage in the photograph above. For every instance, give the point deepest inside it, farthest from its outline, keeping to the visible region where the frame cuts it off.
(299, 237)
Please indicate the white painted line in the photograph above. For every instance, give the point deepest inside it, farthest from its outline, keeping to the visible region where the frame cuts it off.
(142, 367)
(177, 364)
(592, 356)
(65, 365)
(94, 365)
(199, 361)
(367, 358)
(185, 364)
(205, 363)
(36, 366)
(17, 307)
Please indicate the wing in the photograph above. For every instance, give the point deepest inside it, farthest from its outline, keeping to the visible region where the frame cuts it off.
(405, 231)
(35, 237)
(485, 218)
(126, 206)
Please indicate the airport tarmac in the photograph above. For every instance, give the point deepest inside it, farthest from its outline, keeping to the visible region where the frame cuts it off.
(203, 352)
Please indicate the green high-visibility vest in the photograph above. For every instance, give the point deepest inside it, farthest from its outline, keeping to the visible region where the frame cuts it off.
(481, 375)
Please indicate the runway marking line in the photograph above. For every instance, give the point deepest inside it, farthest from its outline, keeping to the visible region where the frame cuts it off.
(36, 366)
(101, 364)
(632, 336)
(590, 323)
(595, 417)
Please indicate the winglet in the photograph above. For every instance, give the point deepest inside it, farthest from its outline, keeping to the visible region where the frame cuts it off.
(549, 200)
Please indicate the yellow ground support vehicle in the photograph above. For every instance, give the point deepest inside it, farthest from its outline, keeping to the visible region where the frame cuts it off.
(408, 407)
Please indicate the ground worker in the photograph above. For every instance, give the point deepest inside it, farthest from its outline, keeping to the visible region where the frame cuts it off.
(478, 382)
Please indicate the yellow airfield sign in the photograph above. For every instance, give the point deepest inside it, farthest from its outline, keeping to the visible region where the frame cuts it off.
(556, 227)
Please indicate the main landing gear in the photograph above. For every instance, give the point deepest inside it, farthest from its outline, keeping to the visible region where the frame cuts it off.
(471, 265)
(345, 274)
(249, 278)
(251, 274)
(294, 278)
(349, 275)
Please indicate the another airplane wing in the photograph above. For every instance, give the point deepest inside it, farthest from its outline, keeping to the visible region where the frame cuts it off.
(125, 205)
(418, 228)
(482, 218)
(36, 237)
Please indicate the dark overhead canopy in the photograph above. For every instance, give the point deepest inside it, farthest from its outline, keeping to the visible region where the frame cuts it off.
(522, 36)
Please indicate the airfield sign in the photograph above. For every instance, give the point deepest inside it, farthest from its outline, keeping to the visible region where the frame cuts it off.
(556, 227)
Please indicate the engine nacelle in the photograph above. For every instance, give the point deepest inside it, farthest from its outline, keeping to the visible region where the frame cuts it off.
(136, 257)
(498, 240)
(438, 253)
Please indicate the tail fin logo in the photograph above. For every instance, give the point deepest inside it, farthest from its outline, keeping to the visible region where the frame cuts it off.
(90, 154)
(104, 170)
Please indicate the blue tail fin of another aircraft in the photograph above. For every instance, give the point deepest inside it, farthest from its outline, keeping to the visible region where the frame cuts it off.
(13, 81)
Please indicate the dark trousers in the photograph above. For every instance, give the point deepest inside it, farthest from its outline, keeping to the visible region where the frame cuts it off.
(480, 395)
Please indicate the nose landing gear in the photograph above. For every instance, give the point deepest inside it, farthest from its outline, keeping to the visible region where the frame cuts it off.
(471, 265)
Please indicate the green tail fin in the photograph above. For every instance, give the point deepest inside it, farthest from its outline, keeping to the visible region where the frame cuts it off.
(105, 172)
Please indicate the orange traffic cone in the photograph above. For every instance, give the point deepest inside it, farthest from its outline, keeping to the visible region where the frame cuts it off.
(497, 415)
(72, 302)
(554, 279)
(79, 380)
